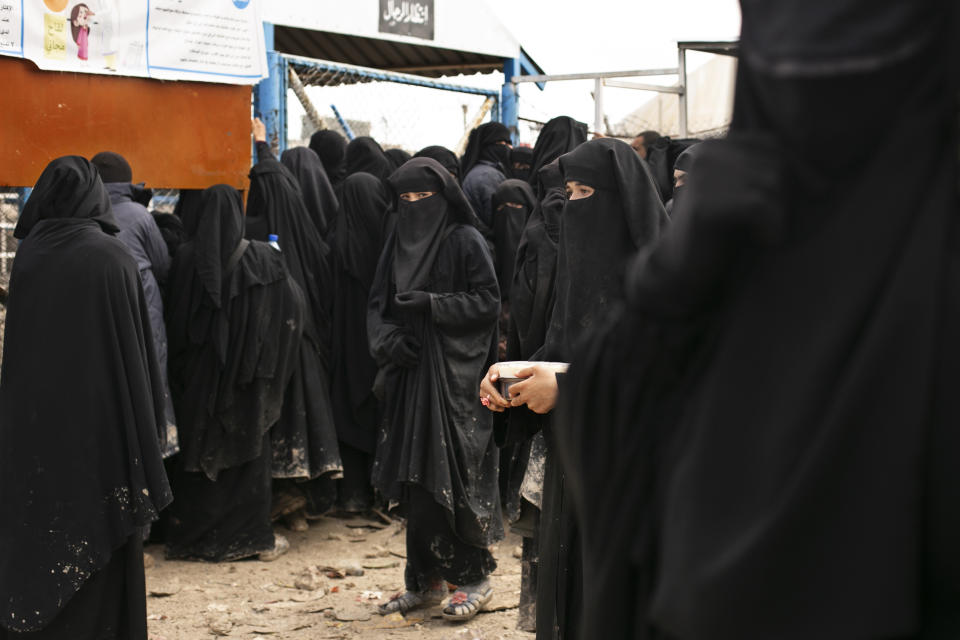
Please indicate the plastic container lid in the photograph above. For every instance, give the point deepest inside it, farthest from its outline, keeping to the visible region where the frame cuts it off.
(272, 237)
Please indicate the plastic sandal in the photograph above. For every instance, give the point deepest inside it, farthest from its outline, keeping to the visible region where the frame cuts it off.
(467, 602)
(407, 601)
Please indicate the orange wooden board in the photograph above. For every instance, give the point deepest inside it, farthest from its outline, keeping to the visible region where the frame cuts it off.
(173, 134)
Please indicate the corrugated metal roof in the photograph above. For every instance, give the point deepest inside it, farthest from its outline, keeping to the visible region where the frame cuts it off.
(382, 54)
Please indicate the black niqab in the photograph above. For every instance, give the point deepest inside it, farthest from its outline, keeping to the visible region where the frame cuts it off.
(365, 154)
(508, 224)
(484, 143)
(521, 156)
(598, 235)
(445, 157)
(188, 210)
(421, 225)
(317, 191)
(81, 402)
(364, 202)
(560, 135)
(331, 147)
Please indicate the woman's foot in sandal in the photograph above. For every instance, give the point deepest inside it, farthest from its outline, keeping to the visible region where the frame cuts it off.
(467, 601)
(407, 601)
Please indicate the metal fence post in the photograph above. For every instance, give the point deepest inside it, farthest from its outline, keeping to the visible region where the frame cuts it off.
(509, 112)
(682, 83)
(598, 105)
(271, 95)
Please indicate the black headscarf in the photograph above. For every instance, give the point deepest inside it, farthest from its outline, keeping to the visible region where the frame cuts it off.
(276, 203)
(685, 162)
(396, 157)
(364, 154)
(445, 157)
(521, 156)
(81, 400)
(598, 235)
(332, 149)
(421, 225)
(484, 144)
(234, 323)
(317, 191)
(188, 210)
(560, 135)
(508, 224)
(69, 187)
(364, 202)
(532, 292)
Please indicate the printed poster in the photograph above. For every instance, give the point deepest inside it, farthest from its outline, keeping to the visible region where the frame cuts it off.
(208, 40)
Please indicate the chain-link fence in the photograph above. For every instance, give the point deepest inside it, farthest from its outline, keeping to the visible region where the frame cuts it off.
(398, 110)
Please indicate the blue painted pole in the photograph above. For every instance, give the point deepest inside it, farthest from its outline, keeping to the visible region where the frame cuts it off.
(270, 95)
(343, 123)
(509, 113)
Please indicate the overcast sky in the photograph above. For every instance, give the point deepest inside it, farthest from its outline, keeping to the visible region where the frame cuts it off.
(569, 36)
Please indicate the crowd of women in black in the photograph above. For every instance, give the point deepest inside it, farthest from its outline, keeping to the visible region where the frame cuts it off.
(756, 437)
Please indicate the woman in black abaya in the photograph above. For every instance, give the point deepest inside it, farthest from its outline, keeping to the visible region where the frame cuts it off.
(304, 440)
(366, 155)
(81, 418)
(397, 158)
(331, 147)
(357, 243)
(559, 136)
(318, 194)
(432, 325)
(235, 325)
(613, 210)
(513, 201)
(795, 476)
(445, 157)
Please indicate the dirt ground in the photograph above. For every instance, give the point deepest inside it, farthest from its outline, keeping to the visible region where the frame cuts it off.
(301, 595)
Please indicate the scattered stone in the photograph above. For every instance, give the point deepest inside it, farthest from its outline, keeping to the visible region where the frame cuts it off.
(310, 579)
(165, 590)
(353, 569)
(518, 553)
(220, 625)
(148, 561)
(334, 536)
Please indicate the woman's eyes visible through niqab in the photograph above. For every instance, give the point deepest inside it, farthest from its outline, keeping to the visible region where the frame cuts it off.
(413, 196)
(578, 190)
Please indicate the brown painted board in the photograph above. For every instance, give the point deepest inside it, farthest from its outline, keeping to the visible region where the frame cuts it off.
(174, 134)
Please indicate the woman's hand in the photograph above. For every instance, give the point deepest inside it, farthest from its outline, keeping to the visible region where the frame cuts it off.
(537, 390)
(489, 395)
(259, 130)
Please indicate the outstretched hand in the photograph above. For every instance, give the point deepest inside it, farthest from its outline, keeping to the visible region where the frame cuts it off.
(259, 130)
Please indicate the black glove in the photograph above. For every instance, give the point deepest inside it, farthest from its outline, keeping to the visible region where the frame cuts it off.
(412, 300)
(406, 351)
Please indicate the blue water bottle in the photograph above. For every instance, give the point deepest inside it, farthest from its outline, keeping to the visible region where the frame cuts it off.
(272, 241)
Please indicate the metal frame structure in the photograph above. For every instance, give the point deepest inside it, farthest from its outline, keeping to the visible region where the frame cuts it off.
(609, 79)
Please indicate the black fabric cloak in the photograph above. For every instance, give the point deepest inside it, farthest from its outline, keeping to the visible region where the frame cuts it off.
(598, 235)
(560, 135)
(304, 441)
(520, 163)
(357, 244)
(483, 144)
(318, 194)
(661, 160)
(445, 157)
(81, 404)
(188, 210)
(508, 223)
(366, 155)
(397, 158)
(235, 327)
(795, 473)
(435, 433)
(685, 162)
(332, 149)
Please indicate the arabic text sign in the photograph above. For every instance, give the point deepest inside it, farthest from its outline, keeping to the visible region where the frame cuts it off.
(11, 27)
(408, 18)
(209, 40)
